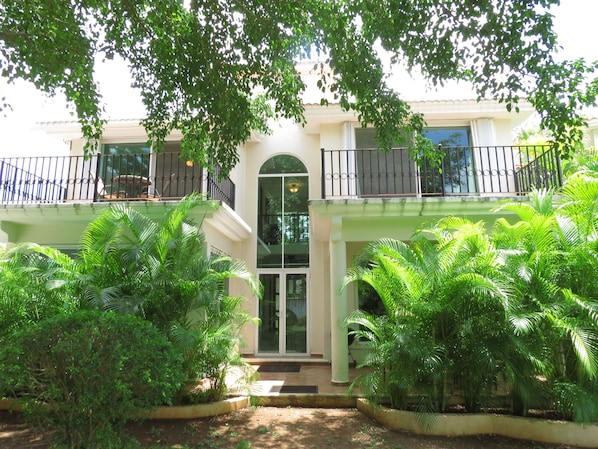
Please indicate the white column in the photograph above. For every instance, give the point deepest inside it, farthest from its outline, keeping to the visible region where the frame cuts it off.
(338, 306)
(5, 240)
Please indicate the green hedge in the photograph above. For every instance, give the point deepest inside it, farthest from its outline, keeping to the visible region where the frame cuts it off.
(87, 373)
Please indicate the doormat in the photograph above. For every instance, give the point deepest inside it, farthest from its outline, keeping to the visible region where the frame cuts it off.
(290, 368)
(299, 389)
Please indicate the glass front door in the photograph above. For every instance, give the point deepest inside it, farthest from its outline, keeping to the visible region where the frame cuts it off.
(283, 313)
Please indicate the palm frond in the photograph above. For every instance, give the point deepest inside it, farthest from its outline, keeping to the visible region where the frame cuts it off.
(583, 341)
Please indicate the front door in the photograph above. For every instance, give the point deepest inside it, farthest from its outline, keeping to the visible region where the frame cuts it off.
(283, 313)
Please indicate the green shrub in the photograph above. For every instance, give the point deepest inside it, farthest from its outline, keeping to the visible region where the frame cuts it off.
(576, 402)
(26, 273)
(87, 373)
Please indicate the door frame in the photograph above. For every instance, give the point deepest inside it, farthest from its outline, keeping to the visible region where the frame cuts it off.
(282, 273)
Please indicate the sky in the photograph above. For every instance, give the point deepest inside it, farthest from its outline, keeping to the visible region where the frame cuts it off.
(575, 22)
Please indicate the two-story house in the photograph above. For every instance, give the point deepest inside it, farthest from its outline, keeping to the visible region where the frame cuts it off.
(298, 207)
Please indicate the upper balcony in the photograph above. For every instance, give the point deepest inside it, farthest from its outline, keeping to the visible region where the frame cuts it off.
(108, 177)
(488, 170)
(360, 173)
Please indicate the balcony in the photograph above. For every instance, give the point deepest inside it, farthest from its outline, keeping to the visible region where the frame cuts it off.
(489, 171)
(108, 177)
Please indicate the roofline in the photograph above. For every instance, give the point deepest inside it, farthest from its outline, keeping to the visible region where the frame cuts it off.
(333, 112)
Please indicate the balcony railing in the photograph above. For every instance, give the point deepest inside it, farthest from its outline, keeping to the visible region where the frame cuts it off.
(491, 170)
(103, 177)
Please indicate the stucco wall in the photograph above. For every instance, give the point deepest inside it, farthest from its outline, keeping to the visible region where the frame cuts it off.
(288, 138)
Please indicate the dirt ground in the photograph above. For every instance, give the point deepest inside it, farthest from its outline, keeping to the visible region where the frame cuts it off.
(270, 428)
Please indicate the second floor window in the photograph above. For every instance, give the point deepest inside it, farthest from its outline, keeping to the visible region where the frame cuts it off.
(394, 172)
(125, 168)
(283, 216)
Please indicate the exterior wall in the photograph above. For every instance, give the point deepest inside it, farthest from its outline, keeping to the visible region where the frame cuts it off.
(286, 139)
(239, 176)
(331, 136)
(66, 234)
(215, 240)
(503, 132)
(76, 147)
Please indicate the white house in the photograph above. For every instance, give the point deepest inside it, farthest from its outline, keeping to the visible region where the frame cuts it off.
(298, 207)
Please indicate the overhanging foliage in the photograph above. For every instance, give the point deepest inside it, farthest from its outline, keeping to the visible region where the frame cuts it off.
(198, 64)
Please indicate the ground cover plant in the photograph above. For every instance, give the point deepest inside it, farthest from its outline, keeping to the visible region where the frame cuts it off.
(507, 314)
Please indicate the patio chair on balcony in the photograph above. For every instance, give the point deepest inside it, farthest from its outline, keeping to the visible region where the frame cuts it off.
(105, 192)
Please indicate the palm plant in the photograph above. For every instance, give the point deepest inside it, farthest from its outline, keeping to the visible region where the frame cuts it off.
(577, 216)
(159, 270)
(530, 259)
(473, 299)
(26, 272)
(444, 295)
(550, 254)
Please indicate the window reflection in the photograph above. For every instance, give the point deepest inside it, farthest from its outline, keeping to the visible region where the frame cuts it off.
(283, 218)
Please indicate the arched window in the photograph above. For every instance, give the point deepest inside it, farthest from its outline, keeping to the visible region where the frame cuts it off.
(283, 217)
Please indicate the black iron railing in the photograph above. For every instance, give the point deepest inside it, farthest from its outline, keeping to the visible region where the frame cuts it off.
(108, 177)
(20, 182)
(502, 170)
(221, 188)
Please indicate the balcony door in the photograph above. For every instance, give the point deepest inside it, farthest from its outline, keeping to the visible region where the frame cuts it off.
(395, 173)
(124, 170)
(383, 173)
(283, 256)
(131, 170)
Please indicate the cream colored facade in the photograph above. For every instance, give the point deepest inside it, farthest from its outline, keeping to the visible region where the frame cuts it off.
(338, 226)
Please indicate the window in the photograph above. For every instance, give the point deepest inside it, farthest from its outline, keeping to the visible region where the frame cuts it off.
(457, 166)
(283, 217)
(124, 169)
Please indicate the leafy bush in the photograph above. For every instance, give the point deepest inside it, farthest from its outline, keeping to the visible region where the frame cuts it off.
(131, 264)
(87, 373)
(26, 273)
